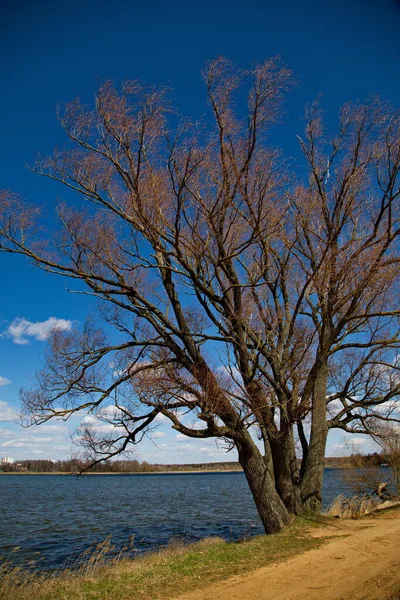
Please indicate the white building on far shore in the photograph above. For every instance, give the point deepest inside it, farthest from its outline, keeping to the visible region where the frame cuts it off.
(7, 460)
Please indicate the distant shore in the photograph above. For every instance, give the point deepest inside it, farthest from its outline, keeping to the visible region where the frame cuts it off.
(169, 472)
(48, 467)
(134, 467)
(183, 472)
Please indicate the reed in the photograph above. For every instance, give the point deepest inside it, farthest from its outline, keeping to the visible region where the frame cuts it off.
(351, 508)
(101, 574)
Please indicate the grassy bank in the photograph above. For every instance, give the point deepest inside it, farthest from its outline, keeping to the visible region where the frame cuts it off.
(163, 574)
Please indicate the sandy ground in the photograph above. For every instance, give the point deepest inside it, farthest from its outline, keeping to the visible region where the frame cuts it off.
(360, 561)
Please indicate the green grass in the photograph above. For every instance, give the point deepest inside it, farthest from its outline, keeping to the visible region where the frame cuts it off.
(163, 574)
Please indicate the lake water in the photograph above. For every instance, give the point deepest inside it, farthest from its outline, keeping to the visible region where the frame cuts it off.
(60, 516)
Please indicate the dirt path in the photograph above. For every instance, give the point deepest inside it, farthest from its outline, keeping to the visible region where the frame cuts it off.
(361, 561)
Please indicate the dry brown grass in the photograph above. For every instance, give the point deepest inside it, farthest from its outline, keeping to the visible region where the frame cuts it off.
(352, 508)
(159, 575)
(26, 582)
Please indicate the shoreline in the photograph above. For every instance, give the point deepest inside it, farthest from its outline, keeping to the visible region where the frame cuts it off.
(302, 560)
(177, 472)
(183, 472)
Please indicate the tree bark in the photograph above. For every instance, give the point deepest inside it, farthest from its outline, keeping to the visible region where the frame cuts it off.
(272, 511)
(311, 486)
(286, 469)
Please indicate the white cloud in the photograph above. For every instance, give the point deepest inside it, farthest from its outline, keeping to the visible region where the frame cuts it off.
(4, 381)
(21, 329)
(350, 444)
(5, 433)
(45, 428)
(105, 420)
(391, 407)
(157, 434)
(357, 441)
(27, 441)
(160, 418)
(111, 412)
(7, 414)
(52, 440)
(90, 420)
(119, 373)
(46, 440)
(231, 372)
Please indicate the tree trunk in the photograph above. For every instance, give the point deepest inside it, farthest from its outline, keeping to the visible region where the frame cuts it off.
(311, 486)
(286, 469)
(272, 511)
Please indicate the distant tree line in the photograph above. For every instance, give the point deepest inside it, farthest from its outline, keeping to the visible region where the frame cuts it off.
(73, 465)
(116, 466)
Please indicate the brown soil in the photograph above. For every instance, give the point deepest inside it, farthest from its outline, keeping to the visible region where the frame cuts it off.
(360, 561)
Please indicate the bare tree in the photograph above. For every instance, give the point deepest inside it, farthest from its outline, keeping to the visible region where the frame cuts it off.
(388, 437)
(244, 300)
(363, 475)
(346, 224)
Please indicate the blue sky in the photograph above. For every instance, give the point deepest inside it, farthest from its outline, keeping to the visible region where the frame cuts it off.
(51, 52)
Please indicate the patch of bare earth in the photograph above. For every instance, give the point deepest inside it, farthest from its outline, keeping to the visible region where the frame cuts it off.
(360, 561)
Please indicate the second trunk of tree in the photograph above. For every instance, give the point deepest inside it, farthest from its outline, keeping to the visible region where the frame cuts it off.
(311, 486)
(272, 511)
